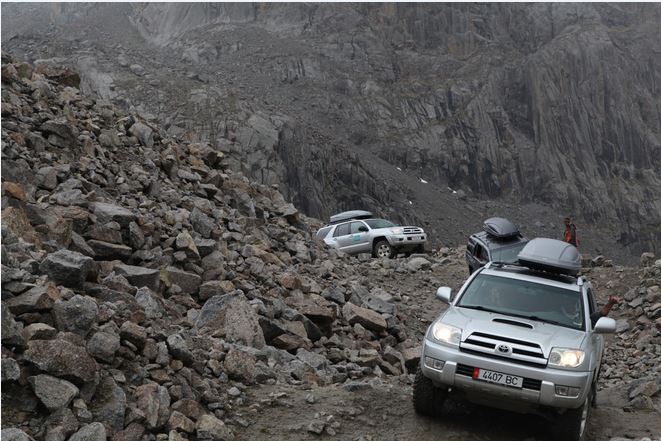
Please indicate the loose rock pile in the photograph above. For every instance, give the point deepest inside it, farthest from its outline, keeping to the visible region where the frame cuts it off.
(632, 358)
(145, 286)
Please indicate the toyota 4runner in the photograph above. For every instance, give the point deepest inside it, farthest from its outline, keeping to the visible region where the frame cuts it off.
(526, 338)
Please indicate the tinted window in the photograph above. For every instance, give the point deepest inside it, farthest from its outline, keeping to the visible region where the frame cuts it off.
(379, 223)
(355, 226)
(507, 254)
(341, 230)
(323, 232)
(481, 253)
(560, 306)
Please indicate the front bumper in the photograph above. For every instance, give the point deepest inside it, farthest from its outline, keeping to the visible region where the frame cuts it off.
(406, 240)
(538, 386)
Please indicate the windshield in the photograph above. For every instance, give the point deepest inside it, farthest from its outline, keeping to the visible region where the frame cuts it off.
(507, 254)
(525, 299)
(379, 223)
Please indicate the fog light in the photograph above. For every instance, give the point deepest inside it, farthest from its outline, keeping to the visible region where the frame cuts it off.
(566, 391)
(434, 363)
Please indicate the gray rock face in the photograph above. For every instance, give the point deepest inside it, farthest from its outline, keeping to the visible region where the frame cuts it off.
(76, 315)
(66, 267)
(53, 392)
(231, 314)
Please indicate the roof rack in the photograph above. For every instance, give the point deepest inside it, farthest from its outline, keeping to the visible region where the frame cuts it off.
(350, 215)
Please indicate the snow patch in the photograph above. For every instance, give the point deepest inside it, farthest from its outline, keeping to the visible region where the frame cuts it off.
(423, 181)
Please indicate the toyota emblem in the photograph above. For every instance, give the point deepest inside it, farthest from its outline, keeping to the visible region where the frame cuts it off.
(504, 349)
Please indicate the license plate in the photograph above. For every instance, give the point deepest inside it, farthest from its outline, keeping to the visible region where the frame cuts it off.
(497, 377)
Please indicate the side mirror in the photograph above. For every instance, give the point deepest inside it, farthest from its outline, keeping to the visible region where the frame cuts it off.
(444, 294)
(605, 325)
(363, 228)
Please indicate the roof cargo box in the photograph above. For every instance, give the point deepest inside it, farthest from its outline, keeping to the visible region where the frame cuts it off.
(501, 228)
(551, 255)
(348, 215)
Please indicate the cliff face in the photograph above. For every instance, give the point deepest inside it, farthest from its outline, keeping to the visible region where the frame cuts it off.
(349, 105)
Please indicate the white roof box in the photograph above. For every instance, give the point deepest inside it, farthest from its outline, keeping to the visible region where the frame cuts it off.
(348, 215)
(500, 227)
(551, 255)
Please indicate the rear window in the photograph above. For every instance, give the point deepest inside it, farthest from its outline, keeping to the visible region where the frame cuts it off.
(323, 232)
(522, 298)
(379, 223)
(507, 254)
(341, 230)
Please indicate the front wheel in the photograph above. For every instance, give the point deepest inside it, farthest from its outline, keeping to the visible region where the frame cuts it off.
(427, 398)
(573, 424)
(382, 249)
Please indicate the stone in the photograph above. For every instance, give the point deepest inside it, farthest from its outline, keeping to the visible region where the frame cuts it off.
(109, 403)
(188, 282)
(106, 212)
(290, 281)
(210, 428)
(133, 333)
(110, 232)
(14, 190)
(12, 331)
(136, 236)
(110, 251)
(181, 422)
(411, 357)
(202, 223)
(14, 434)
(647, 259)
(179, 349)
(154, 401)
(144, 133)
(240, 366)
(231, 315)
(291, 342)
(150, 303)
(76, 315)
(90, 432)
(132, 432)
(11, 371)
(103, 346)
(186, 243)
(60, 133)
(647, 388)
(54, 393)
(190, 408)
(63, 359)
(67, 268)
(365, 317)
(139, 276)
(35, 299)
(215, 287)
(418, 263)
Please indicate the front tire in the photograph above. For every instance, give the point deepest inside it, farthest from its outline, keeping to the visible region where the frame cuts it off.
(573, 424)
(427, 398)
(382, 249)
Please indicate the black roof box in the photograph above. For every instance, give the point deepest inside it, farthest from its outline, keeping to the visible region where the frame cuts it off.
(348, 215)
(551, 255)
(500, 228)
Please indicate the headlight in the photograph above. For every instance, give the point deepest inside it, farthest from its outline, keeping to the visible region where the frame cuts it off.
(446, 333)
(396, 231)
(566, 357)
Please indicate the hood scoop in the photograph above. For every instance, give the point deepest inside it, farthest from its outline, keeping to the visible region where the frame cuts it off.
(513, 323)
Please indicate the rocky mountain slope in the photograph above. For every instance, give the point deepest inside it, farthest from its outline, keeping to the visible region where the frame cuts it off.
(440, 115)
(150, 293)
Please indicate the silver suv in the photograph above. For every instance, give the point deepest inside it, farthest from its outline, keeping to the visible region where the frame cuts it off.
(355, 232)
(526, 338)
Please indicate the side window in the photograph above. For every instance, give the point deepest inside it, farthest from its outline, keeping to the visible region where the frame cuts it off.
(341, 230)
(481, 253)
(471, 246)
(355, 226)
(323, 232)
(591, 304)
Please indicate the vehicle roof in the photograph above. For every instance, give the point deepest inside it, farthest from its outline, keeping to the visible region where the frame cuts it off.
(522, 273)
(500, 227)
(493, 243)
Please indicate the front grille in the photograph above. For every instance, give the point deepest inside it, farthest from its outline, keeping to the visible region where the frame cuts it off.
(412, 230)
(520, 351)
(528, 383)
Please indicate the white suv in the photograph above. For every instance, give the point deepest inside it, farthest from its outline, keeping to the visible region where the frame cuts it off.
(355, 232)
(525, 337)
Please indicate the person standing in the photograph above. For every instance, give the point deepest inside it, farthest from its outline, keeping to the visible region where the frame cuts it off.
(570, 232)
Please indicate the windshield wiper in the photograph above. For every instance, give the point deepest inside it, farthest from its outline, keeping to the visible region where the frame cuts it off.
(481, 308)
(539, 319)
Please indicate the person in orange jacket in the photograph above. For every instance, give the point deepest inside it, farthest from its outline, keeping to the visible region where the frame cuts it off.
(570, 232)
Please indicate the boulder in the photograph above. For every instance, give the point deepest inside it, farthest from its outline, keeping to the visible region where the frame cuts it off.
(179, 349)
(90, 432)
(133, 333)
(54, 393)
(188, 282)
(11, 371)
(231, 315)
(202, 223)
(417, 264)
(106, 212)
(210, 428)
(67, 268)
(63, 359)
(109, 403)
(139, 276)
(144, 133)
(12, 331)
(365, 317)
(154, 401)
(109, 251)
(34, 300)
(76, 315)
(14, 434)
(150, 302)
(240, 366)
(179, 421)
(103, 346)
